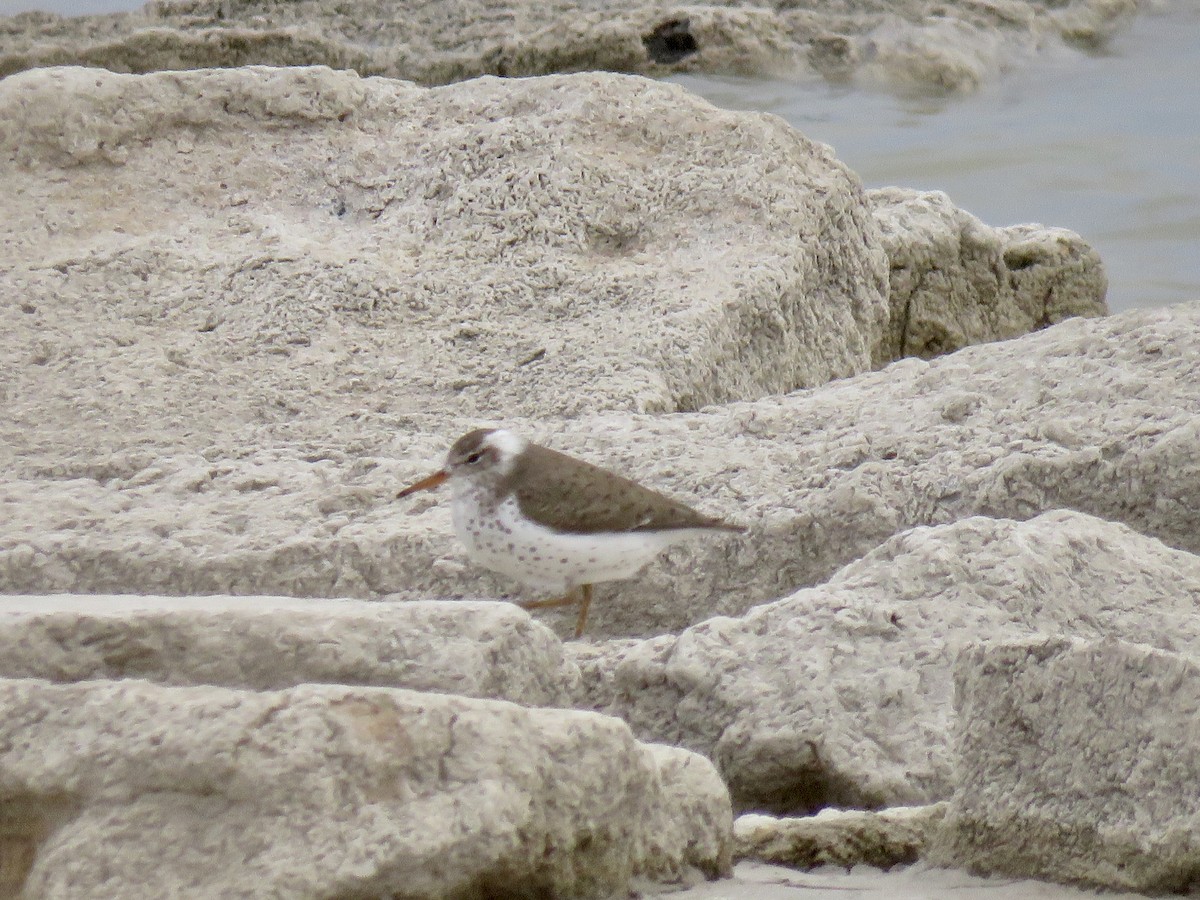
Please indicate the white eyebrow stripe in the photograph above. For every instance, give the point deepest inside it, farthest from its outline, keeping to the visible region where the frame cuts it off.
(506, 442)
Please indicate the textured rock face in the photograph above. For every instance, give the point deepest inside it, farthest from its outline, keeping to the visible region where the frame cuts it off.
(1098, 415)
(544, 247)
(489, 650)
(324, 791)
(1095, 415)
(329, 278)
(901, 44)
(695, 803)
(243, 307)
(841, 695)
(1078, 762)
(957, 282)
(839, 837)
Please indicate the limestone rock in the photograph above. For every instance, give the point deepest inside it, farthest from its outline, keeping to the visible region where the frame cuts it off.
(1078, 762)
(948, 46)
(957, 282)
(128, 789)
(761, 881)
(957, 48)
(1098, 415)
(274, 357)
(841, 695)
(489, 650)
(839, 837)
(544, 247)
(694, 795)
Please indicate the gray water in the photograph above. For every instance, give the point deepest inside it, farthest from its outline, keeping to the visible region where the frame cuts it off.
(1107, 144)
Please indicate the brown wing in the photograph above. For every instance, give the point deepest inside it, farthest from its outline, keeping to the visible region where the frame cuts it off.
(583, 499)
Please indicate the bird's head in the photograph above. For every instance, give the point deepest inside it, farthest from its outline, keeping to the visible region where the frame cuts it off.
(482, 456)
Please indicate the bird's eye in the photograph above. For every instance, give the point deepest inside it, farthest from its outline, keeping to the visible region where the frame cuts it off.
(475, 457)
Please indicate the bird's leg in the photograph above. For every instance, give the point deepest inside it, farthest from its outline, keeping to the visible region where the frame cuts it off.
(583, 610)
(566, 600)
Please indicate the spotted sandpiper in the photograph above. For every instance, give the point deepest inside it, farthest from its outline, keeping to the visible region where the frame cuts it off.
(554, 522)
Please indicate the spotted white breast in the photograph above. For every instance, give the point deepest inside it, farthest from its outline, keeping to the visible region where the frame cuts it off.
(500, 538)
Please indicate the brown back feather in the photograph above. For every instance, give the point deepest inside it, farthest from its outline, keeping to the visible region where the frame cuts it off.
(585, 499)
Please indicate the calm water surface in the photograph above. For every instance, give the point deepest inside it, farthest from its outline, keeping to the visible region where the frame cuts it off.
(1107, 145)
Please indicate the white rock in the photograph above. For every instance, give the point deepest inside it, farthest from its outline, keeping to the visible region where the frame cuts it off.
(956, 282)
(490, 650)
(759, 881)
(1102, 416)
(277, 356)
(545, 247)
(839, 837)
(1098, 415)
(949, 46)
(1078, 762)
(132, 790)
(693, 795)
(841, 695)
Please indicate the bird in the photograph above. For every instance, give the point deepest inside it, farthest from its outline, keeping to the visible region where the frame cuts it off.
(553, 522)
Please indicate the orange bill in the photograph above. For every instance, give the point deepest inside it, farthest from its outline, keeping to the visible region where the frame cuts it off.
(425, 484)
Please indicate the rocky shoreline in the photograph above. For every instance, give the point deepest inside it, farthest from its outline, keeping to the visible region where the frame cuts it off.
(244, 305)
(946, 46)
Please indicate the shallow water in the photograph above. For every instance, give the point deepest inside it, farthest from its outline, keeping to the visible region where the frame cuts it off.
(1107, 145)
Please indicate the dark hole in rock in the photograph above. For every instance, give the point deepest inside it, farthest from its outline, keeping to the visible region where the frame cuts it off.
(802, 796)
(1022, 258)
(670, 42)
(775, 781)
